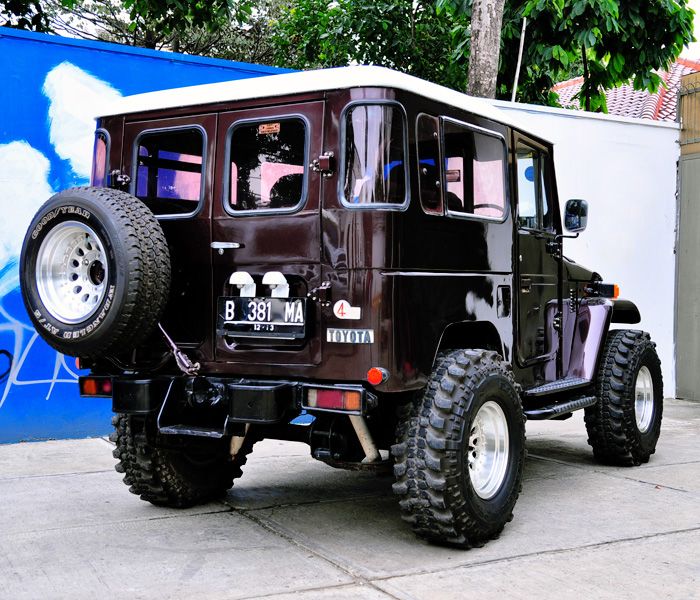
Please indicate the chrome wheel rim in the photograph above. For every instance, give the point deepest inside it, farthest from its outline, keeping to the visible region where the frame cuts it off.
(487, 455)
(71, 272)
(643, 399)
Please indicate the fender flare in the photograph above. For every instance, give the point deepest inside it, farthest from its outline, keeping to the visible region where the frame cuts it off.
(625, 311)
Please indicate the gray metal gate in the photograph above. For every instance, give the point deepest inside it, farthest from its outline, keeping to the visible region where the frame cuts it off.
(687, 321)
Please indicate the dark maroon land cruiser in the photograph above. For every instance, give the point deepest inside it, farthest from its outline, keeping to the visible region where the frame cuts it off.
(352, 258)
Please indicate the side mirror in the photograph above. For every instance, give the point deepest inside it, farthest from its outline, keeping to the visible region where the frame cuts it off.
(576, 215)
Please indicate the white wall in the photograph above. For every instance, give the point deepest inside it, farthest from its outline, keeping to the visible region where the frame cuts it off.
(626, 169)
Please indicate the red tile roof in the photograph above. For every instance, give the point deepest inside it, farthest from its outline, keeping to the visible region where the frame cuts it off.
(625, 101)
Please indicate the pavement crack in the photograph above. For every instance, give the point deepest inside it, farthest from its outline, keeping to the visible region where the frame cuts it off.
(308, 502)
(280, 532)
(71, 474)
(540, 553)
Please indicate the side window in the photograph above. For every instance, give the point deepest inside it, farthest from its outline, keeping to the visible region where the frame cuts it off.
(267, 165)
(474, 172)
(169, 170)
(98, 177)
(428, 148)
(374, 156)
(534, 204)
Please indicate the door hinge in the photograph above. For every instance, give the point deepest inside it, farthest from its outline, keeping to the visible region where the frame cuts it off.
(119, 180)
(556, 322)
(554, 248)
(324, 164)
(321, 294)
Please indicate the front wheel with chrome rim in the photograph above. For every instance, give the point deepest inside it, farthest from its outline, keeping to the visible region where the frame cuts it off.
(624, 425)
(460, 450)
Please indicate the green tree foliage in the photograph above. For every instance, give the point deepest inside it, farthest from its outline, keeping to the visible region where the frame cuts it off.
(608, 42)
(241, 34)
(407, 35)
(23, 14)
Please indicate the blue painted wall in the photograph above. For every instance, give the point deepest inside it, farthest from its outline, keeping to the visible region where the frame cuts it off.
(48, 84)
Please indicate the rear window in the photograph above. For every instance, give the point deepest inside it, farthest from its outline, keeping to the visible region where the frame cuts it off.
(169, 170)
(428, 144)
(374, 156)
(267, 169)
(98, 177)
(474, 172)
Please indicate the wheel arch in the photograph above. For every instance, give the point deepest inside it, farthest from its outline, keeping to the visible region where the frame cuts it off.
(470, 334)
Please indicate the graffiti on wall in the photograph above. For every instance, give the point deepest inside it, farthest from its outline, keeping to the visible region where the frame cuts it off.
(51, 89)
(27, 179)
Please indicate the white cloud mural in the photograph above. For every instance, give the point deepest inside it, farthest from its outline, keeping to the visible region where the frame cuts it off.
(24, 187)
(75, 99)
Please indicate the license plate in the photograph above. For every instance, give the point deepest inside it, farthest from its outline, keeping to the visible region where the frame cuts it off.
(283, 318)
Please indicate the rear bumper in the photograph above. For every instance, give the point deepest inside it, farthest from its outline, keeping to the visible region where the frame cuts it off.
(188, 405)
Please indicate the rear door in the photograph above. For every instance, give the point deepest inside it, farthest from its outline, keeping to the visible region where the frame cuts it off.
(170, 163)
(266, 235)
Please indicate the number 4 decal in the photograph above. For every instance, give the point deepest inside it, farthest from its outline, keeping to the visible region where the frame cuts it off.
(343, 310)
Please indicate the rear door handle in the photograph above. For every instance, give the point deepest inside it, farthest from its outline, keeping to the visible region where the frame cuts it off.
(221, 246)
(525, 284)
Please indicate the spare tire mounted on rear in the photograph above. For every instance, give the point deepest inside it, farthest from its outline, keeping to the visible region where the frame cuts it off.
(95, 271)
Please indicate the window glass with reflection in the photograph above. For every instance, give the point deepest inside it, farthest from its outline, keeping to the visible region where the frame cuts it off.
(169, 170)
(267, 165)
(474, 172)
(428, 143)
(98, 177)
(375, 165)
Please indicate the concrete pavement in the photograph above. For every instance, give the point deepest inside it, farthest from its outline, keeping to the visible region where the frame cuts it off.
(293, 528)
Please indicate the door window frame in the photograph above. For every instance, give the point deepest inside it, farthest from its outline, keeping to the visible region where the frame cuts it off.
(342, 162)
(205, 156)
(226, 191)
(543, 189)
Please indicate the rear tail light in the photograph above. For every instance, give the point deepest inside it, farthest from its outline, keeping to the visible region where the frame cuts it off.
(334, 399)
(95, 387)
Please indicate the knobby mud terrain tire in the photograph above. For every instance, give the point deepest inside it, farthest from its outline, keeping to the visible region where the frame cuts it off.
(175, 477)
(624, 426)
(469, 412)
(95, 271)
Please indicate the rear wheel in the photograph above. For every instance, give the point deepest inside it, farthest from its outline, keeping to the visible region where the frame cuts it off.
(195, 472)
(460, 451)
(624, 426)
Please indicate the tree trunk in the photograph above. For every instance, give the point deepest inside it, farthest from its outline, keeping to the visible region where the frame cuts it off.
(487, 18)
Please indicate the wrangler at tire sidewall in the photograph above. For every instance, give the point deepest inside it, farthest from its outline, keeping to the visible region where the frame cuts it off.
(495, 388)
(136, 282)
(52, 215)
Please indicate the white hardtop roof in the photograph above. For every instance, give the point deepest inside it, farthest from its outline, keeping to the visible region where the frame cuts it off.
(308, 81)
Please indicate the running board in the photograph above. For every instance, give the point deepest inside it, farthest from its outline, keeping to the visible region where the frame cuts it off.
(560, 385)
(557, 410)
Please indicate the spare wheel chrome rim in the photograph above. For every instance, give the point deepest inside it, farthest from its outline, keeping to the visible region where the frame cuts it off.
(488, 450)
(643, 399)
(72, 272)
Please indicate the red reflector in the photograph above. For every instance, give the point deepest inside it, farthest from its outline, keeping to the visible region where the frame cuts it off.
(375, 376)
(89, 387)
(107, 387)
